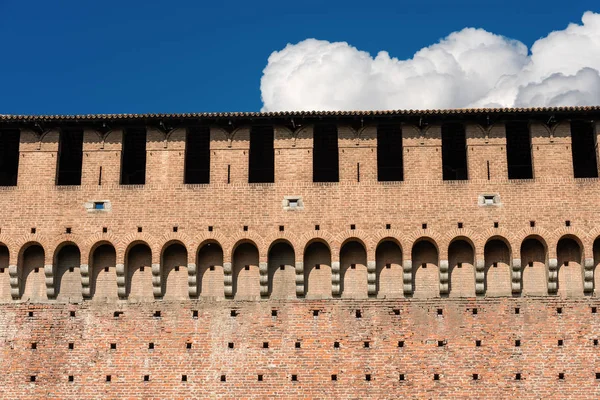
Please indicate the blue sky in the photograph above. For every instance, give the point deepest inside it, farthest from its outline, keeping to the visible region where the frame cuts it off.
(67, 57)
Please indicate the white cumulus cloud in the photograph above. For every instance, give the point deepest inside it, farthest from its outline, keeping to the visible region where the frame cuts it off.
(469, 68)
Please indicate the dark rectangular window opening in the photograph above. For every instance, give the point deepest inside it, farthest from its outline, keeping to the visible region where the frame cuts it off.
(389, 153)
(262, 155)
(197, 155)
(9, 156)
(518, 150)
(583, 147)
(325, 153)
(454, 152)
(70, 157)
(133, 157)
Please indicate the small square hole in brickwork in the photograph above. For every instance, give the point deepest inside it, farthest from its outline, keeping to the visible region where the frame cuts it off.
(183, 378)
(211, 268)
(282, 267)
(336, 345)
(104, 229)
(566, 263)
(352, 227)
(475, 377)
(315, 313)
(33, 230)
(478, 343)
(532, 224)
(117, 314)
(32, 378)
(567, 223)
(265, 345)
(334, 377)
(139, 229)
(401, 343)
(594, 310)
(156, 314)
(194, 313)
(210, 228)
(396, 311)
(30, 314)
(317, 227)
(352, 266)
(559, 310)
(474, 311)
(188, 345)
(33, 346)
(294, 378)
(424, 265)
(223, 378)
(71, 346)
(436, 377)
(401, 377)
(273, 313)
(260, 377)
(71, 378)
(146, 378)
(561, 375)
(366, 345)
(230, 345)
(517, 310)
(105, 269)
(281, 228)
(388, 266)
(460, 225)
(595, 341)
(530, 263)
(150, 346)
(1, 270)
(459, 265)
(517, 343)
(175, 229)
(441, 343)
(108, 378)
(245, 228)
(36, 270)
(496, 224)
(68, 230)
(71, 269)
(517, 377)
(247, 267)
(440, 311)
(424, 226)
(113, 346)
(358, 314)
(142, 268)
(388, 226)
(297, 345)
(71, 313)
(597, 375)
(368, 377)
(317, 266)
(560, 342)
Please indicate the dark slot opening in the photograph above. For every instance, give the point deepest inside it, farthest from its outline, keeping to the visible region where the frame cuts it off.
(133, 158)
(9, 156)
(70, 157)
(197, 155)
(389, 153)
(454, 152)
(325, 153)
(262, 155)
(518, 150)
(583, 147)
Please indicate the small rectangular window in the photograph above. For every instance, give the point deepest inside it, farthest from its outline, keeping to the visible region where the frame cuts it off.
(325, 153)
(9, 156)
(518, 150)
(133, 157)
(70, 157)
(262, 155)
(454, 152)
(583, 148)
(389, 153)
(197, 155)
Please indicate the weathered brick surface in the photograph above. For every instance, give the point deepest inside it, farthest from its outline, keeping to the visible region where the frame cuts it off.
(175, 248)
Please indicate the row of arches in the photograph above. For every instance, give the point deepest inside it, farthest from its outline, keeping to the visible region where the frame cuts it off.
(316, 274)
